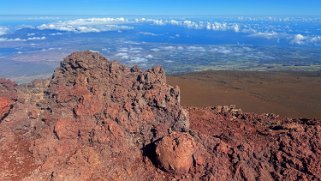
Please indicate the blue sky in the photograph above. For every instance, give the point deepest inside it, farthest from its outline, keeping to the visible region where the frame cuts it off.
(161, 7)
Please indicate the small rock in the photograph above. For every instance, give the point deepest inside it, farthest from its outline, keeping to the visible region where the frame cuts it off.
(218, 109)
(33, 114)
(225, 109)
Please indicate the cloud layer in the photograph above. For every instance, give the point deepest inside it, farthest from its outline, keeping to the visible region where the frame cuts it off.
(268, 28)
(22, 39)
(88, 25)
(215, 26)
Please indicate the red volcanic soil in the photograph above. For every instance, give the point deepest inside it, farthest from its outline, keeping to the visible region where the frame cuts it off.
(100, 120)
(290, 94)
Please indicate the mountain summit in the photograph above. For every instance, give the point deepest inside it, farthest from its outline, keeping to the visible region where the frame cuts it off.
(99, 120)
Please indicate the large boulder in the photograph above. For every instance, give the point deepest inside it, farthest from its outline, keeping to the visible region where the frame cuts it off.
(175, 152)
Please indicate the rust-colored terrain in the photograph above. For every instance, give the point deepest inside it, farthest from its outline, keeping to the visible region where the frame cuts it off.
(99, 120)
(289, 94)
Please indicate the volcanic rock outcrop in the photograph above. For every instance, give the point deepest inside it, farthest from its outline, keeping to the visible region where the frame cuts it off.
(7, 97)
(100, 120)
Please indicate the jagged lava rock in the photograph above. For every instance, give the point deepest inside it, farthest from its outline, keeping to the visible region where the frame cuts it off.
(7, 96)
(97, 106)
(4, 107)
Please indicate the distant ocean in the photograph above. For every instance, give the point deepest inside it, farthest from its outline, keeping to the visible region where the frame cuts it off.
(32, 46)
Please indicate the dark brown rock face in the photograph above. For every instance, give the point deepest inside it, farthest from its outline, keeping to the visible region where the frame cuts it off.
(99, 120)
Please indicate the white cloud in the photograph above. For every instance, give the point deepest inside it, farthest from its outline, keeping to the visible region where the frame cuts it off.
(196, 48)
(51, 49)
(222, 50)
(174, 22)
(94, 51)
(122, 55)
(247, 49)
(94, 21)
(180, 48)
(169, 61)
(135, 50)
(21, 39)
(216, 26)
(170, 48)
(190, 24)
(37, 38)
(236, 27)
(153, 21)
(55, 34)
(88, 25)
(148, 34)
(159, 22)
(3, 30)
(132, 42)
(123, 49)
(85, 29)
(149, 56)
(138, 20)
(298, 39)
(266, 35)
(11, 39)
(138, 60)
(316, 39)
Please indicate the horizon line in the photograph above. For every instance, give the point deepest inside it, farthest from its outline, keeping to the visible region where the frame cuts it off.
(274, 15)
